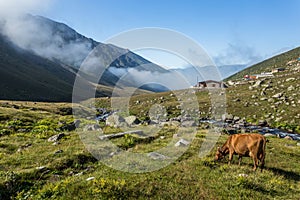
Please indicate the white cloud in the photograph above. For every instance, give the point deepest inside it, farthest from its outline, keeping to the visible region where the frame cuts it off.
(237, 54)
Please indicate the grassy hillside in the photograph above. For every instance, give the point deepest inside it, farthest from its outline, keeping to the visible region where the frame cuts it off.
(33, 168)
(279, 61)
(275, 99)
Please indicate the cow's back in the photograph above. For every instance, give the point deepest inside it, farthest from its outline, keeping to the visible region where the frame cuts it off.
(246, 144)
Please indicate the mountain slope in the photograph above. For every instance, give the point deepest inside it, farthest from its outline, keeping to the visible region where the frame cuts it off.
(60, 43)
(39, 62)
(25, 76)
(278, 61)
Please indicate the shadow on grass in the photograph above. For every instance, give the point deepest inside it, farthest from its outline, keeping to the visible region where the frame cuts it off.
(260, 189)
(286, 174)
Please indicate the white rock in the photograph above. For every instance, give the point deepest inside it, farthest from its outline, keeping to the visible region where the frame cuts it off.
(243, 175)
(182, 142)
(90, 178)
(157, 156)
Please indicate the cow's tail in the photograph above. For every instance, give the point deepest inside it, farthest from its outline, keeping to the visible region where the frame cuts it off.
(263, 154)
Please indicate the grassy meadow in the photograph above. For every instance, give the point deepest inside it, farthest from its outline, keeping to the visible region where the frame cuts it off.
(33, 168)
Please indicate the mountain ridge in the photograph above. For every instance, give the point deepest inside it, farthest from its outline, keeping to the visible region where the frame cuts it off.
(52, 63)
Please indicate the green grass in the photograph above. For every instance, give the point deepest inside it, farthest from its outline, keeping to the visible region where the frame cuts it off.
(278, 61)
(64, 174)
(190, 177)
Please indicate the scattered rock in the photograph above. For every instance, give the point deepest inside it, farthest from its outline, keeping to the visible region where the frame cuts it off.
(290, 79)
(298, 144)
(156, 156)
(117, 135)
(41, 168)
(262, 123)
(71, 126)
(236, 118)
(23, 147)
(291, 88)
(115, 120)
(278, 95)
(269, 135)
(78, 174)
(58, 152)
(174, 123)
(55, 143)
(188, 124)
(92, 127)
(258, 83)
(22, 130)
(132, 120)
(182, 142)
(90, 178)
(56, 138)
(288, 137)
(243, 175)
(237, 100)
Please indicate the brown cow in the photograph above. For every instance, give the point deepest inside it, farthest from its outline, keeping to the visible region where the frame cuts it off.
(252, 145)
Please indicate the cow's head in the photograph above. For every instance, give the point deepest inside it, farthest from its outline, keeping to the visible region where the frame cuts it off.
(220, 154)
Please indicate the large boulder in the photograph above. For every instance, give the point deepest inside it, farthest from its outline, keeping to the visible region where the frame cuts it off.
(115, 120)
(278, 95)
(71, 126)
(56, 138)
(132, 120)
(92, 127)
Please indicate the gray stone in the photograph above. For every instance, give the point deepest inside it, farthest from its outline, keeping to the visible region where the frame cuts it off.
(174, 123)
(58, 151)
(132, 120)
(156, 156)
(92, 127)
(90, 178)
(236, 118)
(115, 120)
(243, 175)
(71, 126)
(291, 88)
(227, 117)
(117, 135)
(269, 135)
(290, 79)
(41, 168)
(23, 147)
(56, 138)
(188, 124)
(263, 93)
(278, 95)
(258, 83)
(182, 142)
(262, 123)
(288, 137)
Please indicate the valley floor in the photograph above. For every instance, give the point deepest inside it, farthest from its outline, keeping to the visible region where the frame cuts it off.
(32, 167)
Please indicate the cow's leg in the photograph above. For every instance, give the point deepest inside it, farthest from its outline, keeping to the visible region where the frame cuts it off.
(230, 157)
(240, 159)
(255, 161)
(262, 161)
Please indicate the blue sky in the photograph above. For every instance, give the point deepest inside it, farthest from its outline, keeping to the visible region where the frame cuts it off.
(232, 31)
